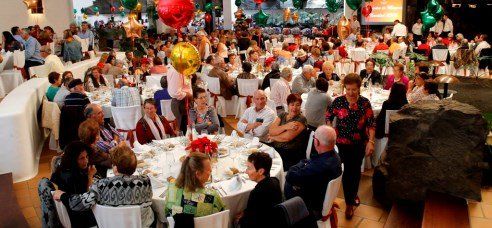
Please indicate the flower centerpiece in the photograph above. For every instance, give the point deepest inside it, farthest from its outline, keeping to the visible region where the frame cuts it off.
(203, 145)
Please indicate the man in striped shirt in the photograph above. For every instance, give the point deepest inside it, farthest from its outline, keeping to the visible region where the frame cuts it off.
(108, 135)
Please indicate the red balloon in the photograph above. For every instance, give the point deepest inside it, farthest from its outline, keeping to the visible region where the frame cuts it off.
(112, 9)
(366, 10)
(259, 1)
(208, 18)
(176, 13)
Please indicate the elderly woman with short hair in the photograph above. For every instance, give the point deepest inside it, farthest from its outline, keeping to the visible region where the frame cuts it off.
(152, 126)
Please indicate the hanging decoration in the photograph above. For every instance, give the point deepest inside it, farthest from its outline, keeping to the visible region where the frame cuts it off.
(85, 16)
(185, 58)
(176, 13)
(431, 15)
(297, 4)
(208, 17)
(121, 8)
(343, 28)
(122, 14)
(295, 17)
(30, 4)
(237, 3)
(283, 1)
(133, 29)
(366, 10)
(209, 7)
(138, 8)
(261, 18)
(129, 4)
(112, 9)
(332, 5)
(258, 1)
(74, 11)
(95, 9)
(354, 4)
(286, 14)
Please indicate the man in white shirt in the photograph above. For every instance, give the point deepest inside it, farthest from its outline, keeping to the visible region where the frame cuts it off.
(399, 29)
(417, 30)
(52, 62)
(437, 28)
(448, 26)
(281, 89)
(180, 91)
(482, 43)
(256, 119)
(355, 25)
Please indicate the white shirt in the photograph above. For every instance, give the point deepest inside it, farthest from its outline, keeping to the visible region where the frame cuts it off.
(481, 46)
(448, 26)
(399, 30)
(177, 85)
(437, 28)
(251, 115)
(279, 92)
(54, 64)
(355, 26)
(417, 29)
(60, 96)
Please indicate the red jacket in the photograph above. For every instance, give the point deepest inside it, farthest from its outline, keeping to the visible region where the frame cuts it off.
(144, 134)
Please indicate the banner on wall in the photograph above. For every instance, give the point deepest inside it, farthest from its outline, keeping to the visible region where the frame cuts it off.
(385, 12)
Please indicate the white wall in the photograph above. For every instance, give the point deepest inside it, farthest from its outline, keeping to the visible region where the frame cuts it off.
(57, 14)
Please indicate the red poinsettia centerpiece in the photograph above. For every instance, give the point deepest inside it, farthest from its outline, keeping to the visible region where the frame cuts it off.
(203, 145)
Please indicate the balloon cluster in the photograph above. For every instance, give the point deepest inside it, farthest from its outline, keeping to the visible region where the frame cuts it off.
(298, 4)
(431, 15)
(354, 4)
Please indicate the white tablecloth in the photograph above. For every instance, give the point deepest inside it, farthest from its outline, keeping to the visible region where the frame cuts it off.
(21, 137)
(9, 80)
(166, 163)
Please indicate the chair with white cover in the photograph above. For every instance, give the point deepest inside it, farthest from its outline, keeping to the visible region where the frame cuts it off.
(271, 104)
(441, 56)
(125, 120)
(40, 71)
(331, 194)
(6, 58)
(217, 220)
(62, 212)
(19, 59)
(310, 145)
(218, 101)
(380, 144)
(359, 58)
(121, 217)
(246, 89)
(154, 81)
(166, 110)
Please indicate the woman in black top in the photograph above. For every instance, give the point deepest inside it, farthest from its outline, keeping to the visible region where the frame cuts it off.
(396, 100)
(75, 176)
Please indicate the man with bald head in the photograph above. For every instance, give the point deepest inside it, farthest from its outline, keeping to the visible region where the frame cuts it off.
(257, 119)
(108, 135)
(309, 178)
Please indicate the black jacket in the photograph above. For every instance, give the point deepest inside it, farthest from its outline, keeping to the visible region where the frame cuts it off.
(275, 74)
(264, 197)
(375, 76)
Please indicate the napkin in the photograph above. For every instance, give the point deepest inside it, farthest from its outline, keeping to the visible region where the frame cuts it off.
(235, 184)
(255, 143)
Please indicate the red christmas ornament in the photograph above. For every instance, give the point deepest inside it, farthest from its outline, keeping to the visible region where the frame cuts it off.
(112, 9)
(258, 1)
(366, 10)
(208, 18)
(176, 13)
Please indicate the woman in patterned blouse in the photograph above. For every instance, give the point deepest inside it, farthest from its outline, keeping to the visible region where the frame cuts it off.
(203, 116)
(188, 194)
(355, 128)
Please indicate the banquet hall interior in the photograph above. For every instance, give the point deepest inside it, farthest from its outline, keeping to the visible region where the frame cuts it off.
(246, 113)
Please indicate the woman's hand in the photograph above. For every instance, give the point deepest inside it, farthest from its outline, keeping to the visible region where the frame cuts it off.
(92, 170)
(57, 195)
(369, 148)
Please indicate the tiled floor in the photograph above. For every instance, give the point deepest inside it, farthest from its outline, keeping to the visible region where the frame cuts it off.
(369, 214)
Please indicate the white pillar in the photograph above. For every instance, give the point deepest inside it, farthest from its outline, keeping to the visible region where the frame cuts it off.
(228, 13)
(347, 12)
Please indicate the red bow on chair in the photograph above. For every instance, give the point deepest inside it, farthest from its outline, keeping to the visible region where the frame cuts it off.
(129, 136)
(249, 100)
(332, 215)
(216, 98)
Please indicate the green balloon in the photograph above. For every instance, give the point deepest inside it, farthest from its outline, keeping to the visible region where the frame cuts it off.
(209, 7)
(283, 1)
(432, 5)
(427, 21)
(354, 4)
(297, 4)
(95, 8)
(197, 6)
(129, 4)
(438, 13)
(332, 6)
(238, 3)
(122, 14)
(261, 18)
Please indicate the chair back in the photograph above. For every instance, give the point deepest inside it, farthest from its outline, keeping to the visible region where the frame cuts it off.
(213, 85)
(309, 145)
(121, 217)
(271, 104)
(84, 43)
(6, 59)
(359, 55)
(126, 118)
(440, 54)
(19, 59)
(273, 81)
(166, 110)
(386, 121)
(40, 71)
(154, 81)
(62, 212)
(217, 220)
(331, 194)
(292, 211)
(247, 87)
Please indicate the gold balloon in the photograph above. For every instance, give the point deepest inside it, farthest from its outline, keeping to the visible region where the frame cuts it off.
(139, 7)
(121, 8)
(286, 14)
(185, 58)
(133, 28)
(295, 17)
(343, 28)
(85, 16)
